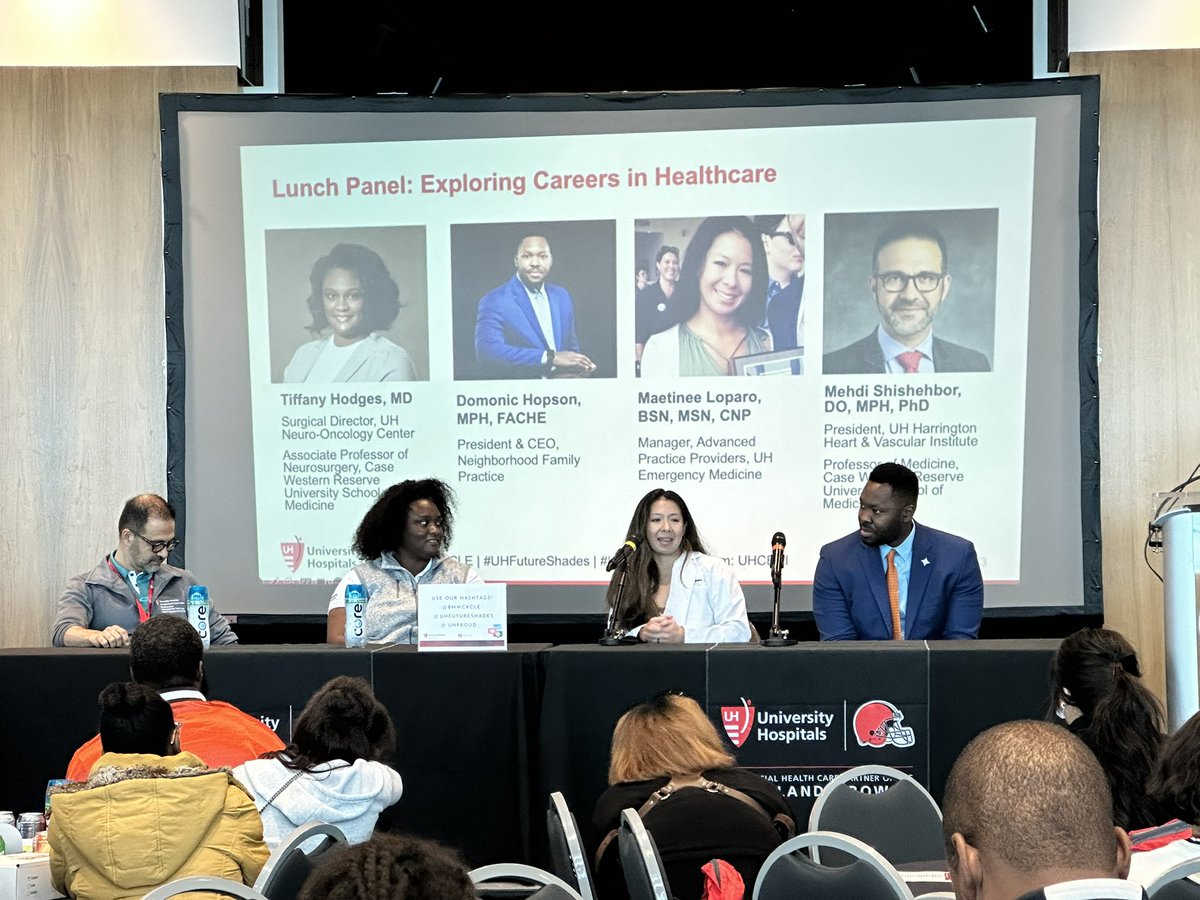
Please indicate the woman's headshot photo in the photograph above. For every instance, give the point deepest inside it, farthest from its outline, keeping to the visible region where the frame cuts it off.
(717, 304)
(348, 305)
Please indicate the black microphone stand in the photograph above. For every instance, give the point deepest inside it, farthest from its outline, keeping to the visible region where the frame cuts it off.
(779, 636)
(614, 636)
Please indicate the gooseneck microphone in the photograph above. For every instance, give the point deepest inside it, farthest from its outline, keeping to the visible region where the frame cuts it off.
(778, 636)
(626, 550)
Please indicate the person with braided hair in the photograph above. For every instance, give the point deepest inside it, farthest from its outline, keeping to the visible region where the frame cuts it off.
(1099, 695)
(333, 771)
(390, 867)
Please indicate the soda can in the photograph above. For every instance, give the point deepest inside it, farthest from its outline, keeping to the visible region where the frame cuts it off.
(40, 843)
(30, 824)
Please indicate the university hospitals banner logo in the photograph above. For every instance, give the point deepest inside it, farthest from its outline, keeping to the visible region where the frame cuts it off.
(293, 552)
(737, 721)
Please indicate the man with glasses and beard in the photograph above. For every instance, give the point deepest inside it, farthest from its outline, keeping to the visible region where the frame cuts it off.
(101, 607)
(910, 281)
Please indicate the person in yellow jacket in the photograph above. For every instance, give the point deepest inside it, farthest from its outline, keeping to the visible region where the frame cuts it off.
(149, 814)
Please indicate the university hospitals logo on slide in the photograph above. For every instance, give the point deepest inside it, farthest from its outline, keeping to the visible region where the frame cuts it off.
(737, 721)
(877, 724)
(293, 552)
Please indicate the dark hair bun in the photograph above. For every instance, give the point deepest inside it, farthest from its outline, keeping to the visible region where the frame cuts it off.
(125, 699)
(348, 706)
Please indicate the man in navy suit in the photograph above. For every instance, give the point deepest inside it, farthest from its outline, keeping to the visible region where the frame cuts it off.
(938, 584)
(910, 281)
(525, 328)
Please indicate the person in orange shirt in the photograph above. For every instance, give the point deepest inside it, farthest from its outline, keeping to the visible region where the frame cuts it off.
(166, 655)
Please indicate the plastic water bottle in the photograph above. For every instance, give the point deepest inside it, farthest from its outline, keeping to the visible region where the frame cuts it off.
(356, 612)
(197, 610)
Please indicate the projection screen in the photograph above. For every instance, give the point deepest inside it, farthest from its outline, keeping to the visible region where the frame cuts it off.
(278, 444)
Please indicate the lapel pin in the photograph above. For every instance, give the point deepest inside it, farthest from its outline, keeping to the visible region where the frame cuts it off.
(925, 561)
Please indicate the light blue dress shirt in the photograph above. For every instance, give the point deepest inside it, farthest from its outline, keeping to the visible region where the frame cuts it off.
(903, 567)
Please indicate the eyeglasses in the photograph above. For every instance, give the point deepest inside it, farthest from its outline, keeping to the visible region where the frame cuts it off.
(786, 235)
(157, 546)
(895, 282)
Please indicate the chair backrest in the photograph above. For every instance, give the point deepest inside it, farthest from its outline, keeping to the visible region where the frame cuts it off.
(645, 876)
(547, 885)
(787, 873)
(290, 864)
(902, 822)
(1173, 884)
(221, 886)
(566, 849)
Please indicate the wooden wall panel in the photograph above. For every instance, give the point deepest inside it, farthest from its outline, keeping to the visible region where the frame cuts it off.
(1149, 315)
(81, 324)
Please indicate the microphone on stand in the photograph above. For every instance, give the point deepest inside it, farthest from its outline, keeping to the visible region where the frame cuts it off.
(778, 542)
(622, 555)
(613, 634)
(779, 636)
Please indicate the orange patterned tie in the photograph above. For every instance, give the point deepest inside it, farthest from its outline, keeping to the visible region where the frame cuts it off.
(893, 583)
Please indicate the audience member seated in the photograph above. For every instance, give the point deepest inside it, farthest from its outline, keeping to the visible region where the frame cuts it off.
(390, 867)
(1099, 694)
(166, 655)
(668, 763)
(149, 814)
(333, 770)
(1174, 785)
(1028, 814)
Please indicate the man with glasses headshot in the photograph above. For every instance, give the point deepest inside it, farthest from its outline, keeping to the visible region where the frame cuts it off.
(101, 607)
(910, 281)
(783, 242)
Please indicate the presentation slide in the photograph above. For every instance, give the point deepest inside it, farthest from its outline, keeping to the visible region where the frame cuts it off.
(717, 288)
(447, 218)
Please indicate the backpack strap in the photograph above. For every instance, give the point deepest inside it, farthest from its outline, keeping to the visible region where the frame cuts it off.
(782, 823)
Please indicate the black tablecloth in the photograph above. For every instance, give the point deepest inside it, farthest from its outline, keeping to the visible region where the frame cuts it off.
(484, 737)
(802, 700)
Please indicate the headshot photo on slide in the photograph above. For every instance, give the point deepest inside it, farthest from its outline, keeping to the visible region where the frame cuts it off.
(910, 292)
(347, 305)
(534, 300)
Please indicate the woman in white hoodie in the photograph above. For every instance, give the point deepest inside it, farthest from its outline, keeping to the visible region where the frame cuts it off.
(333, 770)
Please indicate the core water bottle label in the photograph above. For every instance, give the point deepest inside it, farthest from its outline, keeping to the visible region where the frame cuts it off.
(197, 610)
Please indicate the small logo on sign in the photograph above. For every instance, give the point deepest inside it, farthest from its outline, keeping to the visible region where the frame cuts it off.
(737, 721)
(293, 553)
(878, 723)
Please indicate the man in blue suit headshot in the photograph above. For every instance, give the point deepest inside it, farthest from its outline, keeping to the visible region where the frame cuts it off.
(525, 328)
(893, 578)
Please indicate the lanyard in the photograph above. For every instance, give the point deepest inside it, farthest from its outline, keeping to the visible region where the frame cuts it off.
(143, 614)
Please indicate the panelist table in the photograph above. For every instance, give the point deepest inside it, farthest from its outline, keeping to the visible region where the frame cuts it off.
(796, 715)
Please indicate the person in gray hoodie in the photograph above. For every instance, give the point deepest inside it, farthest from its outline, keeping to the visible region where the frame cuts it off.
(333, 770)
